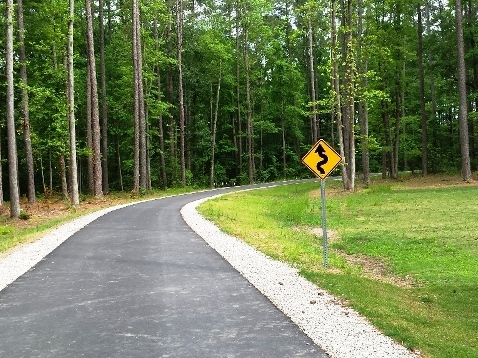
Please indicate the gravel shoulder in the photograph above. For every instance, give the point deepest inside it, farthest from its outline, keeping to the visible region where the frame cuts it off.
(339, 330)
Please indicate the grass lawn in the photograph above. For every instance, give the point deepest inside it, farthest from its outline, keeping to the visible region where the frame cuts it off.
(403, 253)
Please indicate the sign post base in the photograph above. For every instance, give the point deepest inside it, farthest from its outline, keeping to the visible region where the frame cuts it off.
(324, 223)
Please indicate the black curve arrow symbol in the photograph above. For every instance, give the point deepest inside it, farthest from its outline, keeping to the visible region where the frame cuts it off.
(321, 152)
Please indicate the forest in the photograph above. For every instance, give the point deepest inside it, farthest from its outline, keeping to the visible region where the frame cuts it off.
(131, 95)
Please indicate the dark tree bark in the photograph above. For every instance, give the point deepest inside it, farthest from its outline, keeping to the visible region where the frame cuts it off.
(95, 116)
(25, 106)
(462, 115)
(89, 132)
(337, 111)
(214, 128)
(75, 201)
(179, 6)
(64, 184)
(363, 104)
(313, 97)
(140, 119)
(172, 125)
(11, 135)
(104, 104)
(349, 100)
(387, 141)
(395, 135)
(250, 128)
(284, 144)
(162, 158)
(421, 79)
(137, 151)
(1, 171)
(238, 136)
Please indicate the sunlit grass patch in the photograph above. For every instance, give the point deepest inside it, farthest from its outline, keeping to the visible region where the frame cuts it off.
(405, 255)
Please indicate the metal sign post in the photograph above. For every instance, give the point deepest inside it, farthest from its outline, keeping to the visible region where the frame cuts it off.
(322, 159)
(324, 224)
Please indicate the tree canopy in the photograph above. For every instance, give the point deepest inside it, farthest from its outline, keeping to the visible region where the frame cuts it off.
(224, 92)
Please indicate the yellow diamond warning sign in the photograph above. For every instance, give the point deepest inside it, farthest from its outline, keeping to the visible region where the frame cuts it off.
(322, 159)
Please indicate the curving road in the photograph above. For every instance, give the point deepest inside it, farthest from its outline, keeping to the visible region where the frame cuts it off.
(138, 282)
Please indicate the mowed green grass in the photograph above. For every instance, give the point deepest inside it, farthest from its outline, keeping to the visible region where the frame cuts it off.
(405, 257)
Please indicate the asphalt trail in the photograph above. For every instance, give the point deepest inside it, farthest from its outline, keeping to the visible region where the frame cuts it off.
(138, 282)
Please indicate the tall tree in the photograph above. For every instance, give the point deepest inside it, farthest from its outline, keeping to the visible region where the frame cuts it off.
(335, 79)
(182, 119)
(139, 110)
(104, 104)
(1, 171)
(463, 108)
(162, 152)
(11, 134)
(95, 116)
(75, 201)
(349, 94)
(313, 97)
(421, 80)
(363, 103)
(25, 105)
(214, 127)
(89, 131)
(238, 136)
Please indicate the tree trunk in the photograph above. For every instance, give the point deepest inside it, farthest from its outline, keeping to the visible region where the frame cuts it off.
(239, 151)
(431, 61)
(1, 171)
(314, 117)
(471, 17)
(386, 144)
(214, 127)
(144, 179)
(182, 119)
(250, 148)
(363, 105)
(349, 100)
(139, 100)
(75, 201)
(95, 118)
(120, 166)
(147, 153)
(462, 115)
(11, 135)
(421, 80)
(396, 131)
(160, 119)
(89, 132)
(284, 147)
(104, 104)
(170, 87)
(337, 111)
(50, 172)
(64, 184)
(25, 106)
(137, 115)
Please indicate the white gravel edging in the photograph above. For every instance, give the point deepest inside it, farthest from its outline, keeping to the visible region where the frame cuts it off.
(339, 330)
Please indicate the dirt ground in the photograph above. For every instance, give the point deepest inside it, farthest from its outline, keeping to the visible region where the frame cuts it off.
(34, 214)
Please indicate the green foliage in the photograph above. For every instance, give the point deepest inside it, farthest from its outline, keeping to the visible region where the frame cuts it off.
(214, 50)
(24, 215)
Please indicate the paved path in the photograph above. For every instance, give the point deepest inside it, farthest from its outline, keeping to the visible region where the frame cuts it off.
(138, 282)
